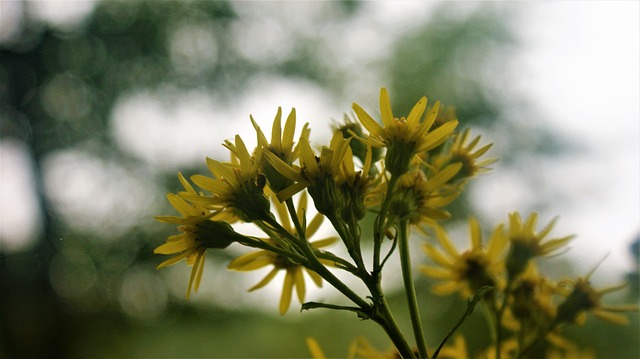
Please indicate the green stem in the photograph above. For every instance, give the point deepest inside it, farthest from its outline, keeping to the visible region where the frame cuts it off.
(407, 277)
(388, 323)
(380, 225)
(314, 264)
(499, 314)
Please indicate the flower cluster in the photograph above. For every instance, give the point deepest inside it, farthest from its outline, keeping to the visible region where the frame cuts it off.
(527, 307)
(403, 171)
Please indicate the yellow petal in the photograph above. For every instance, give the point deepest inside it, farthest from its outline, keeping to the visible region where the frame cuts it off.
(287, 291)
(299, 284)
(265, 280)
(194, 274)
(416, 112)
(610, 317)
(445, 242)
(175, 246)
(173, 260)
(246, 259)
(497, 242)
(314, 349)
(187, 186)
(215, 186)
(437, 257)
(437, 272)
(262, 140)
(182, 206)
(291, 190)
(446, 288)
(436, 137)
(476, 233)
(276, 130)
(385, 108)
(282, 167)
(321, 243)
(315, 277)
(289, 131)
(367, 121)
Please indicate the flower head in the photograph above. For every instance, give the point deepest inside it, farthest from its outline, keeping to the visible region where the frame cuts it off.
(281, 146)
(236, 187)
(318, 174)
(294, 278)
(583, 298)
(468, 271)
(198, 232)
(419, 199)
(526, 244)
(462, 152)
(404, 137)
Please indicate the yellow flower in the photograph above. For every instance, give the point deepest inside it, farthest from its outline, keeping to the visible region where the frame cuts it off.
(418, 199)
(526, 244)
(317, 174)
(281, 146)
(532, 304)
(583, 299)
(471, 270)
(404, 137)
(236, 187)
(198, 232)
(293, 271)
(464, 153)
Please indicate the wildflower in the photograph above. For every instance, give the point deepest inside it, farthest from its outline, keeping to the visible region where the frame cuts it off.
(318, 175)
(293, 271)
(361, 149)
(463, 153)
(526, 244)
(236, 186)
(583, 299)
(281, 146)
(532, 304)
(418, 199)
(198, 232)
(404, 137)
(354, 185)
(471, 270)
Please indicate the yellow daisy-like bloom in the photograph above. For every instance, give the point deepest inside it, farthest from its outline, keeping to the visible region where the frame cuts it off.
(526, 244)
(463, 152)
(471, 270)
(198, 232)
(236, 187)
(281, 146)
(404, 137)
(583, 299)
(532, 305)
(317, 174)
(418, 199)
(293, 271)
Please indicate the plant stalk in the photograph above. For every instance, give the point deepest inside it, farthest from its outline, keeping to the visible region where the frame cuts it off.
(409, 287)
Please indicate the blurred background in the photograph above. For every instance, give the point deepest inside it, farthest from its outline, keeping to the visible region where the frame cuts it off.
(103, 102)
